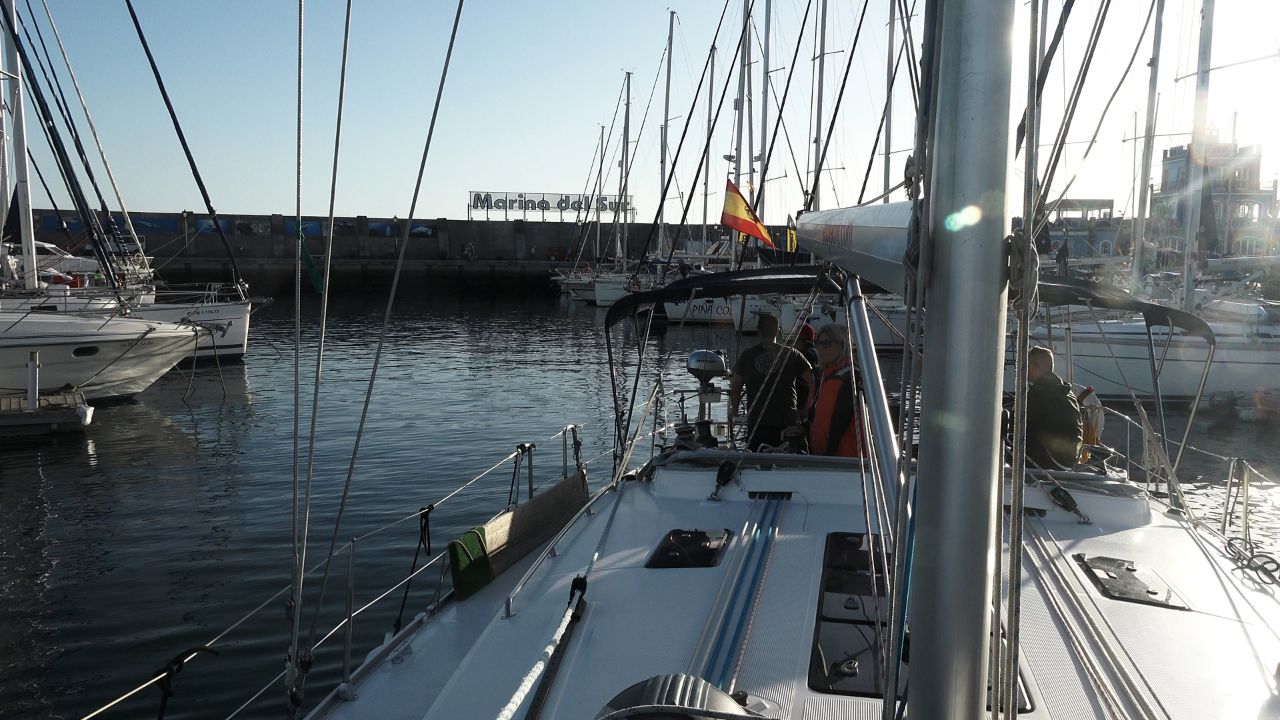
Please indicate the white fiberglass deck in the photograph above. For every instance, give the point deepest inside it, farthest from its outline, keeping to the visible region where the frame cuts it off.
(1216, 659)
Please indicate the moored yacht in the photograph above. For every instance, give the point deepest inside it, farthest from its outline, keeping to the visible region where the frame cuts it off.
(108, 357)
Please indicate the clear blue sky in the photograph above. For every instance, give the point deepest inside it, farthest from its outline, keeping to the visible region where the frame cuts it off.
(531, 83)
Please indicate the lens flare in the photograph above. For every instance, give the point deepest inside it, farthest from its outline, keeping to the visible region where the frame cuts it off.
(963, 218)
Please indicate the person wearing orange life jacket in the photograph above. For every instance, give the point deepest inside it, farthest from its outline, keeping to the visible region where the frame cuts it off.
(836, 427)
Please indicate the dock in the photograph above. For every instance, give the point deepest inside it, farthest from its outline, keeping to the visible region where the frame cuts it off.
(55, 412)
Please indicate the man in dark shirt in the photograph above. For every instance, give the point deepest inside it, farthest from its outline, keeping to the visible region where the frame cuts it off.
(769, 372)
(1054, 429)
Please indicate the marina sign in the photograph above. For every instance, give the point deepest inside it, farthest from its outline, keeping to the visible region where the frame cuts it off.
(521, 204)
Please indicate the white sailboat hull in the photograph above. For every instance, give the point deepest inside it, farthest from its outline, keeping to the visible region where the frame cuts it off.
(718, 311)
(608, 290)
(223, 326)
(1115, 360)
(105, 358)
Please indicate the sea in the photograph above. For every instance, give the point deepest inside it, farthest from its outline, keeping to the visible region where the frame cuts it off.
(172, 517)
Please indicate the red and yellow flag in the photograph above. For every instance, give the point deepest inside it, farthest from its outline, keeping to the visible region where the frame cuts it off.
(738, 215)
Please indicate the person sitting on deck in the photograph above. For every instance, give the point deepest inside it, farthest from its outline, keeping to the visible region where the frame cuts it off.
(769, 372)
(837, 426)
(1054, 428)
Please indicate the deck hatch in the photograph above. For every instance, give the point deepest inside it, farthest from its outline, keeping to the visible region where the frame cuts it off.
(846, 650)
(1120, 579)
(690, 549)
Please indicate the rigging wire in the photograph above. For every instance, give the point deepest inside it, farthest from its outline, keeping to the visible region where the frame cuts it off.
(781, 104)
(294, 604)
(620, 437)
(45, 63)
(186, 149)
(1116, 91)
(835, 110)
(629, 160)
(1043, 75)
(916, 265)
(884, 114)
(1073, 103)
(603, 180)
(620, 429)
(93, 130)
(75, 190)
(395, 281)
(324, 317)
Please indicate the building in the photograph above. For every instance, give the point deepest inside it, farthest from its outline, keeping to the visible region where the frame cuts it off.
(1244, 210)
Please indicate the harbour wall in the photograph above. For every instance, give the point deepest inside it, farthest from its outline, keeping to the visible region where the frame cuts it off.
(496, 254)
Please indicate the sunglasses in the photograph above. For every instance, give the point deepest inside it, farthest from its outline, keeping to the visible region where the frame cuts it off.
(826, 343)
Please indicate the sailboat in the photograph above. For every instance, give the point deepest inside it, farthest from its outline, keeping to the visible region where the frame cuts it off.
(1111, 354)
(104, 356)
(708, 582)
(107, 358)
(121, 279)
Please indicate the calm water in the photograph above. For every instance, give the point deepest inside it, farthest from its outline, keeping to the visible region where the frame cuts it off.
(170, 518)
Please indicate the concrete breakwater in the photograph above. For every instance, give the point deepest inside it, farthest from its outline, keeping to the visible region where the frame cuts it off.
(515, 254)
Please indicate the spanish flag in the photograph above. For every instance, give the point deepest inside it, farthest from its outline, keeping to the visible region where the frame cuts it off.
(738, 215)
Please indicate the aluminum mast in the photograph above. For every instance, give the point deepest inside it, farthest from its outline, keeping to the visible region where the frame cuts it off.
(1195, 159)
(741, 103)
(706, 164)
(595, 251)
(888, 101)
(814, 203)
(666, 117)
(22, 188)
(1140, 228)
(764, 108)
(623, 176)
(959, 476)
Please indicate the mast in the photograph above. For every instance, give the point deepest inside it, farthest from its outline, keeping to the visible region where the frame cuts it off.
(624, 176)
(740, 105)
(1195, 158)
(1149, 131)
(959, 476)
(1228, 212)
(815, 203)
(706, 161)
(764, 108)
(595, 250)
(22, 188)
(748, 114)
(666, 117)
(888, 102)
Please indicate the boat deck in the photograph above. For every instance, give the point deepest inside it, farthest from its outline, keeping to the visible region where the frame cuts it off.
(785, 615)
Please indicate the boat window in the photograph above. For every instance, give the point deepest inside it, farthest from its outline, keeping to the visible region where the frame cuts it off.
(690, 549)
(85, 351)
(1121, 579)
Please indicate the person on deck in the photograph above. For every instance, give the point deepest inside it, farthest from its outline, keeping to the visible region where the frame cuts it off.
(1054, 428)
(836, 426)
(768, 371)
